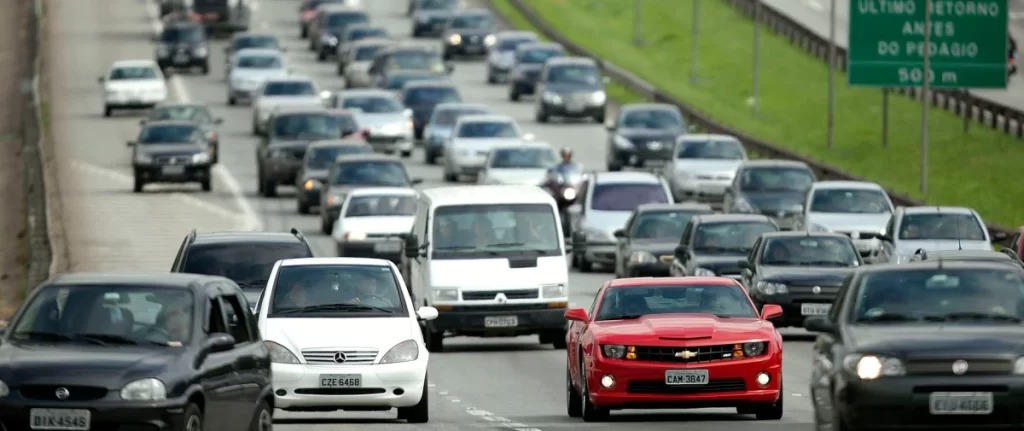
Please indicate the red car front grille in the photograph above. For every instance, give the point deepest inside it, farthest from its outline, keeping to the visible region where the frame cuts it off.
(686, 355)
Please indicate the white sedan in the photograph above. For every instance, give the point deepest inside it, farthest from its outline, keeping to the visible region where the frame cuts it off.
(133, 84)
(523, 164)
(473, 137)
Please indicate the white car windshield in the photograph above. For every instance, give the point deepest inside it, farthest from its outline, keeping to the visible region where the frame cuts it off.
(718, 149)
(775, 179)
(381, 206)
(260, 62)
(941, 226)
(488, 129)
(336, 291)
(523, 158)
(861, 201)
(130, 73)
(494, 230)
(372, 105)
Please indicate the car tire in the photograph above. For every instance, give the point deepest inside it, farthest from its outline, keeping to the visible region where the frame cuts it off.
(554, 337)
(301, 207)
(614, 166)
(192, 420)
(406, 154)
(542, 117)
(263, 420)
(107, 111)
(139, 184)
(321, 56)
(490, 77)
(326, 226)
(419, 413)
(429, 157)
(588, 411)
(433, 340)
(232, 101)
(204, 69)
(269, 189)
(584, 264)
(451, 177)
(206, 184)
(573, 401)
(513, 95)
(599, 118)
(771, 411)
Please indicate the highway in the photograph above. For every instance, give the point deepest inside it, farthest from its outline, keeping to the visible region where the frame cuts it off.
(475, 384)
(814, 14)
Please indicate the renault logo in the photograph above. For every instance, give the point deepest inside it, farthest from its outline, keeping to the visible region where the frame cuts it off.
(960, 367)
(501, 298)
(62, 393)
(340, 357)
(816, 289)
(686, 354)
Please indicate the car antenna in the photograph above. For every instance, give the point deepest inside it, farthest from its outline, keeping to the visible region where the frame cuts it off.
(959, 245)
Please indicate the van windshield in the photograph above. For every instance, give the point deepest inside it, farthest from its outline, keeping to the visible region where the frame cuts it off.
(495, 231)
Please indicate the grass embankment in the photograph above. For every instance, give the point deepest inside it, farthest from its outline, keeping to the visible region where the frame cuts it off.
(964, 169)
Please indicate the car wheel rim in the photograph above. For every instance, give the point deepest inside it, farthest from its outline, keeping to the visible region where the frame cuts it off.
(266, 421)
(585, 392)
(193, 424)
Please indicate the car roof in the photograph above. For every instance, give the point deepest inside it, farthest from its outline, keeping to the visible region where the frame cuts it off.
(369, 157)
(731, 218)
(856, 185)
(155, 279)
(308, 261)
(623, 177)
(647, 107)
(486, 195)
(133, 63)
(365, 92)
(460, 106)
(669, 281)
(486, 118)
(802, 234)
(936, 210)
(966, 255)
(216, 238)
(682, 206)
(171, 123)
(702, 137)
(773, 163)
(540, 45)
(931, 265)
(571, 61)
(327, 143)
(262, 52)
(433, 83)
(387, 191)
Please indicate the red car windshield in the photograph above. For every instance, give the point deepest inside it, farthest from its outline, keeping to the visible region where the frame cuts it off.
(634, 302)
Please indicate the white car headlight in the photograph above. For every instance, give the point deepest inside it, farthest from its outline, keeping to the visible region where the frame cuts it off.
(703, 272)
(143, 158)
(569, 194)
(769, 288)
(144, 390)
(455, 39)
(622, 143)
(280, 354)
(553, 290)
(406, 351)
(642, 257)
(870, 367)
(552, 98)
(490, 40)
(446, 294)
(1018, 368)
(355, 236)
(201, 51)
(598, 98)
(203, 157)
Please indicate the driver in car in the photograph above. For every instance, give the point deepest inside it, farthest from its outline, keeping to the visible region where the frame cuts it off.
(367, 292)
(177, 323)
(297, 296)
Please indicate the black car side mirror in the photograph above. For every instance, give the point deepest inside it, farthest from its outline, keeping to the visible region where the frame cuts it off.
(415, 181)
(681, 251)
(820, 324)
(218, 342)
(412, 246)
(745, 265)
(621, 233)
(999, 237)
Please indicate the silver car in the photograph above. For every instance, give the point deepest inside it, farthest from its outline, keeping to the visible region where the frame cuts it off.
(283, 92)
(439, 128)
(356, 66)
(501, 56)
(932, 229)
(387, 122)
(250, 68)
(703, 166)
(859, 209)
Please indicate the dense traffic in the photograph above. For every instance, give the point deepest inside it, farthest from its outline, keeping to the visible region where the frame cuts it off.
(918, 316)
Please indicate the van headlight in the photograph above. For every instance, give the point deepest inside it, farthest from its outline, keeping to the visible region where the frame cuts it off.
(1018, 368)
(553, 290)
(446, 294)
(870, 367)
(280, 354)
(201, 51)
(144, 390)
(551, 98)
(642, 257)
(406, 351)
(455, 39)
(490, 40)
(203, 157)
(623, 143)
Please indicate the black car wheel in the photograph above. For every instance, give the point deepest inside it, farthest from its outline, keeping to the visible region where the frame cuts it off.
(513, 95)
(588, 411)
(573, 402)
(269, 189)
(204, 69)
(554, 337)
(206, 184)
(326, 225)
(419, 413)
(263, 420)
(321, 56)
(584, 265)
(107, 111)
(303, 32)
(406, 154)
(193, 419)
(139, 184)
(301, 206)
(429, 157)
(542, 116)
(433, 340)
(771, 411)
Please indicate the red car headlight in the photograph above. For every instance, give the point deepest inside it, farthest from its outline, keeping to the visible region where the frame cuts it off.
(614, 351)
(756, 348)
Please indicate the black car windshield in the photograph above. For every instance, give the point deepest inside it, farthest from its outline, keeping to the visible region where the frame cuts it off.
(108, 315)
(439, 4)
(396, 81)
(488, 129)
(416, 60)
(656, 119)
(512, 44)
(810, 251)
(719, 149)
(939, 226)
(311, 126)
(491, 231)
(129, 73)
(338, 291)
(260, 62)
(381, 206)
(175, 134)
(729, 237)
(941, 295)
(348, 124)
(372, 104)
(538, 56)
(472, 22)
(634, 302)
(199, 114)
(626, 196)
(523, 158)
(861, 201)
(448, 117)
(324, 157)
(582, 75)
(776, 180)
(365, 33)
(183, 35)
(338, 20)
(289, 88)
(248, 264)
(431, 95)
(662, 225)
(366, 53)
(371, 173)
(268, 42)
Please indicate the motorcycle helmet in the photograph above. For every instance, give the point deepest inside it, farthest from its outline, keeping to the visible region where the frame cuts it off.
(566, 154)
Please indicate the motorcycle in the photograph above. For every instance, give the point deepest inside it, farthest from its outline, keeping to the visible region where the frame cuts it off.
(563, 183)
(1012, 64)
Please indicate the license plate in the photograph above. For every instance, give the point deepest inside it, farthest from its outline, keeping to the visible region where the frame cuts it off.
(173, 170)
(387, 247)
(482, 153)
(501, 321)
(181, 59)
(960, 403)
(336, 381)
(574, 108)
(59, 419)
(814, 309)
(473, 49)
(686, 377)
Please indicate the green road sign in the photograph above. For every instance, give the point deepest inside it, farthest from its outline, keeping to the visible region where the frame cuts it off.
(968, 43)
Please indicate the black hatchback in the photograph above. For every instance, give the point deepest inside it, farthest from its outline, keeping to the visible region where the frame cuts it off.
(135, 351)
(183, 45)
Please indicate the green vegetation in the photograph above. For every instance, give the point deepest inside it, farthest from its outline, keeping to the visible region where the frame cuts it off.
(965, 169)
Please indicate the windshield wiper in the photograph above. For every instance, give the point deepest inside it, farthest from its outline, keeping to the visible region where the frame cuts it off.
(116, 339)
(970, 315)
(627, 317)
(337, 307)
(888, 318)
(251, 283)
(58, 336)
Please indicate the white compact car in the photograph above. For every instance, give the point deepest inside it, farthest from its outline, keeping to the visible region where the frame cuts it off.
(250, 68)
(472, 139)
(373, 222)
(343, 335)
(133, 84)
(283, 92)
(523, 164)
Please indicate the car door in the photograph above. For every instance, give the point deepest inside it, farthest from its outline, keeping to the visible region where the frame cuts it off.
(577, 330)
(250, 356)
(828, 349)
(622, 247)
(218, 376)
(419, 265)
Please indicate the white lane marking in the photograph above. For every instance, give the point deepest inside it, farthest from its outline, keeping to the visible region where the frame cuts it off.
(813, 4)
(503, 421)
(223, 174)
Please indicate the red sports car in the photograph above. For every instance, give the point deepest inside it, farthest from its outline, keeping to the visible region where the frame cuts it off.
(693, 342)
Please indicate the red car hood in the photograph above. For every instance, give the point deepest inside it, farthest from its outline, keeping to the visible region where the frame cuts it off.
(660, 328)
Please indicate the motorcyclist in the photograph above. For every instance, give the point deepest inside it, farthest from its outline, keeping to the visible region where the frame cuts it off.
(1012, 55)
(562, 181)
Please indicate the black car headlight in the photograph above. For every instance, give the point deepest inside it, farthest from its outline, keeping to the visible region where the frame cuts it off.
(614, 351)
(756, 348)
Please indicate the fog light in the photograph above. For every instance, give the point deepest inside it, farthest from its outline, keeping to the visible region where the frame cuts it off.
(763, 379)
(607, 381)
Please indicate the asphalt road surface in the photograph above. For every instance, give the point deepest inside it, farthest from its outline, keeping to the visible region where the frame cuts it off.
(477, 383)
(814, 14)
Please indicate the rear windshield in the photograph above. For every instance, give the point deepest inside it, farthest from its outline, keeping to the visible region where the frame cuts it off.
(344, 19)
(765, 179)
(431, 95)
(289, 88)
(626, 197)
(247, 264)
(183, 35)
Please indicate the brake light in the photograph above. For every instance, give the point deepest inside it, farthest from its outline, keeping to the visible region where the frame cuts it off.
(364, 133)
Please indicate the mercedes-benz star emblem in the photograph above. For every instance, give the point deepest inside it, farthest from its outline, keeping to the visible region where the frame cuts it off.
(62, 393)
(340, 357)
(816, 289)
(960, 367)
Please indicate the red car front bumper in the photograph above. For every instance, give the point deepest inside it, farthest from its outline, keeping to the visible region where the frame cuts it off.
(641, 385)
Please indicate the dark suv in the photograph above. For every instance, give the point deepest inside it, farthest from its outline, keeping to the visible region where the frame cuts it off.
(171, 152)
(279, 155)
(182, 45)
(243, 257)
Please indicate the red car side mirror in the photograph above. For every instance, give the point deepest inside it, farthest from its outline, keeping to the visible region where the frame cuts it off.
(577, 314)
(770, 311)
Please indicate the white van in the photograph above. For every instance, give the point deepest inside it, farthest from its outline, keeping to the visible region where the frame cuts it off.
(491, 260)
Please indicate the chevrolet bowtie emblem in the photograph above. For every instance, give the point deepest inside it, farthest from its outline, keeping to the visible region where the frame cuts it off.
(686, 354)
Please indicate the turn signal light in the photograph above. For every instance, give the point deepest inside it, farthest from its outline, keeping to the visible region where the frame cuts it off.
(558, 304)
(630, 352)
(308, 185)
(737, 350)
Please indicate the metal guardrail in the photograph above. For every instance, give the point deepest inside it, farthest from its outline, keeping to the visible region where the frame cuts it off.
(702, 119)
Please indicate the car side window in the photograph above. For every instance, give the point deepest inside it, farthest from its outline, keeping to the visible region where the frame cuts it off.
(687, 233)
(890, 228)
(178, 257)
(754, 251)
(593, 305)
(215, 323)
(837, 304)
(237, 320)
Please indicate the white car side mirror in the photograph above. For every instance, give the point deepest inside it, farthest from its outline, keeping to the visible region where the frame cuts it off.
(528, 137)
(426, 313)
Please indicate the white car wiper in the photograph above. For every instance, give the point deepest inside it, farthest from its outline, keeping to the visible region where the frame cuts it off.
(336, 307)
